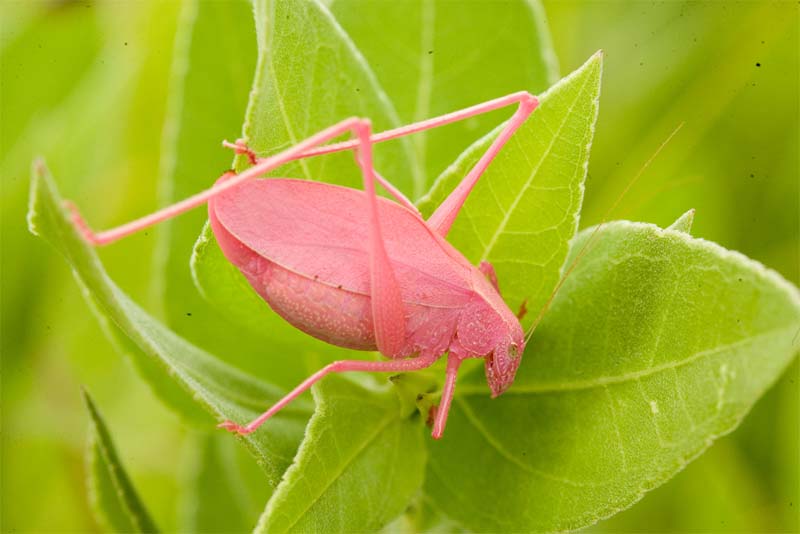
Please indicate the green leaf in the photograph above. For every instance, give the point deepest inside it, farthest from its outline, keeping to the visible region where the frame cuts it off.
(309, 76)
(717, 492)
(361, 462)
(185, 377)
(437, 56)
(220, 494)
(112, 493)
(656, 345)
(684, 223)
(524, 210)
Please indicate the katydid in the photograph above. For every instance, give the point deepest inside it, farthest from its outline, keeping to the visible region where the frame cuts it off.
(357, 270)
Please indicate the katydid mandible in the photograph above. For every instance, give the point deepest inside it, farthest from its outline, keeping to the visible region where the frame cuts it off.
(357, 270)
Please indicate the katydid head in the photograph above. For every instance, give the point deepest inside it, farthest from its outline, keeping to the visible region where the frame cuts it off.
(502, 363)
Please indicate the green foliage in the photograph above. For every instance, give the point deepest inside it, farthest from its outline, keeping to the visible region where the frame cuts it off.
(309, 76)
(657, 344)
(361, 461)
(114, 497)
(222, 491)
(606, 408)
(180, 373)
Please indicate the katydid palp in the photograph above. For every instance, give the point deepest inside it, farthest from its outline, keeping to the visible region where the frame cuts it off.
(357, 270)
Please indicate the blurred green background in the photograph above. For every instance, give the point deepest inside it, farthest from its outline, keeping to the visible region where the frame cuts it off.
(86, 85)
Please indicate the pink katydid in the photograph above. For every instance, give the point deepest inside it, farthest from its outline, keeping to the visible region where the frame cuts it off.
(381, 278)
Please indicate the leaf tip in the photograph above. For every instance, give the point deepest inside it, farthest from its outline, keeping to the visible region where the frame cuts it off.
(199, 250)
(683, 223)
(594, 65)
(85, 394)
(90, 405)
(39, 174)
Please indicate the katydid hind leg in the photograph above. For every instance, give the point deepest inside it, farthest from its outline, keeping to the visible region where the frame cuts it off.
(446, 213)
(442, 219)
(388, 315)
(341, 366)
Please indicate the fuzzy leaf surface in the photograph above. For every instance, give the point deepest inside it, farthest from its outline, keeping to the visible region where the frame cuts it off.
(524, 210)
(362, 460)
(113, 495)
(656, 345)
(432, 64)
(188, 379)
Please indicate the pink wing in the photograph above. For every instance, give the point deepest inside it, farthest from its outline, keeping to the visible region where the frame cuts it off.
(320, 231)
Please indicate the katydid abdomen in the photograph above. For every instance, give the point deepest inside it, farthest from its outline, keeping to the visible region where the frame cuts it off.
(302, 245)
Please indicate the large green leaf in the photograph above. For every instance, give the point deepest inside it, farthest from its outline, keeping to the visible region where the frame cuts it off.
(361, 462)
(113, 495)
(437, 56)
(309, 76)
(185, 377)
(657, 344)
(524, 210)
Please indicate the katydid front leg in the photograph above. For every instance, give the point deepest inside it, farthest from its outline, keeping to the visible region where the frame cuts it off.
(443, 410)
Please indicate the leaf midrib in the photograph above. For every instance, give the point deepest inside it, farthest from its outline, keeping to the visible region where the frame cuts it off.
(578, 385)
(555, 137)
(267, 58)
(500, 448)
